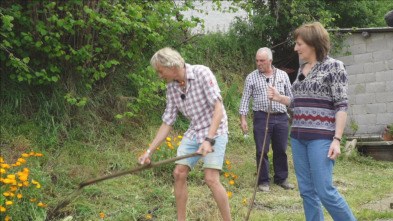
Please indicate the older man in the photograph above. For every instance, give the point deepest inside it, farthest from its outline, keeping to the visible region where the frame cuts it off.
(255, 87)
(193, 91)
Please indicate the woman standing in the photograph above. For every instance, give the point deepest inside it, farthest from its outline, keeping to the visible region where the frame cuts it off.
(319, 105)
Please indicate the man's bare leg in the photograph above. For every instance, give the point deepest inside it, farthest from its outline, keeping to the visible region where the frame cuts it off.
(181, 193)
(212, 178)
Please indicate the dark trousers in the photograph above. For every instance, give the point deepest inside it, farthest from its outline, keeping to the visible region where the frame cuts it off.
(278, 134)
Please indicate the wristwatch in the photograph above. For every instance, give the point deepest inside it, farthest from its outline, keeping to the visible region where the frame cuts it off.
(336, 138)
(212, 141)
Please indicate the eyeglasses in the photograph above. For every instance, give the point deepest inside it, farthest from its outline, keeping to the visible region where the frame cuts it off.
(301, 77)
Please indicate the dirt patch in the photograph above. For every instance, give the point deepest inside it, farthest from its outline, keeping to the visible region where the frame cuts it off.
(380, 204)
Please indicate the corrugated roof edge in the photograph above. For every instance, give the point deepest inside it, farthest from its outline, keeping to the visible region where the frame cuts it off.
(356, 30)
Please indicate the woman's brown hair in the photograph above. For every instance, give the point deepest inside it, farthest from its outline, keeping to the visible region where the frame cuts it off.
(314, 35)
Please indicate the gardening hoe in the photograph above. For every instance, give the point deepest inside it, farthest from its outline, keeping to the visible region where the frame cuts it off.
(66, 201)
(263, 149)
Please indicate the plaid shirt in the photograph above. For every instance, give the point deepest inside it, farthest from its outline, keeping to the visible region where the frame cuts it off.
(256, 86)
(201, 96)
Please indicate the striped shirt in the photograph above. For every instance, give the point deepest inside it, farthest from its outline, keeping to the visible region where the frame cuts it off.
(317, 99)
(201, 95)
(255, 86)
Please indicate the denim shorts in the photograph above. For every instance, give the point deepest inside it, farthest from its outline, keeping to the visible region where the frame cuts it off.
(212, 160)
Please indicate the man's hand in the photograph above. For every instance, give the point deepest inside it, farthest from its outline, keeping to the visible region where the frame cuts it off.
(205, 148)
(273, 94)
(145, 158)
(334, 150)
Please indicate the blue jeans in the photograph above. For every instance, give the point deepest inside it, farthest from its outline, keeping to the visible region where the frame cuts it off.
(314, 175)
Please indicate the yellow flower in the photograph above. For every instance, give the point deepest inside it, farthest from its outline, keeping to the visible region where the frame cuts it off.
(20, 184)
(232, 182)
(2, 209)
(7, 181)
(34, 182)
(21, 160)
(33, 200)
(6, 194)
(38, 154)
(5, 166)
(102, 215)
(180, 137)
(18, 163)
(40, 204)
(229, 166)
(168, 139)
(11, 176)
(1, 160)
(13, 188)
(7, 218)
(8, 203)
(32, 153)
(23, 178)
(175, 139)
(25, 155)
(157, 148)
(2, 171)
(227, 162)
(12, 194)
(226, 175)
(148, 217)
(150, 191)
(19, 196)
(229, 194)
(38, 186)
(235, 176)
(178, 143)
(244, 201)
(26, 183)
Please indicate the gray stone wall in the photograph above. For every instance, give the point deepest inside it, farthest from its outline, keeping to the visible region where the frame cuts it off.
(370, 75)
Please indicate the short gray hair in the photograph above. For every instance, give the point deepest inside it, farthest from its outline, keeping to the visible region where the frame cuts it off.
(267, 51)
(167, 57)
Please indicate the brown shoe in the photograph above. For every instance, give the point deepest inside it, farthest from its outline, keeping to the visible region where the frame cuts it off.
(286, 185)
(264, 187)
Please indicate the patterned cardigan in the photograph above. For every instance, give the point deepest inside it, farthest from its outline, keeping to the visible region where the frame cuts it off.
(317, 99)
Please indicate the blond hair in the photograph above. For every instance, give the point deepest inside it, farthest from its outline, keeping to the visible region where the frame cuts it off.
(314, 35)
(167, 57)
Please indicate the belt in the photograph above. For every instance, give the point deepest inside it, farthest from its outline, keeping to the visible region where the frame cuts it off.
(278, 113)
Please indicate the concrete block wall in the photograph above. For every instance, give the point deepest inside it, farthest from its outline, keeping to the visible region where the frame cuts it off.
(370, 75)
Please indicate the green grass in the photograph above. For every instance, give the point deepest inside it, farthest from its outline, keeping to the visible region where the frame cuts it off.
(103, 150)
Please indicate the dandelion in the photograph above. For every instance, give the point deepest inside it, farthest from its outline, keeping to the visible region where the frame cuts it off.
(6, 194)
(2, 171)
(226, 175)
(232, 182)
(244, 201)
(25, 155)
(178, 143)
(2, 209)
(227, 162)
(21, 160)
(1, 160)
(148, 217)
(40, 204)
(229, 194)
(38, 186)
(180, 137)
(5, 166)
(32, 153)
(175, 139)
(229, 166)
(157, 148)
(33, 200)
(168, 139)
(8, 203)
(102, 215)
(38, 154)
(7, 218)
(19, 196)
